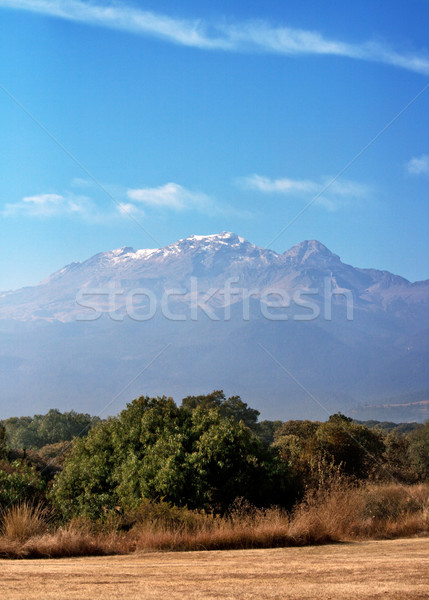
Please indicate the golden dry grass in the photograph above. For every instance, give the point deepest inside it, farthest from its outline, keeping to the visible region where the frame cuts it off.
(342, 512)
(23, 521)
(391, 569)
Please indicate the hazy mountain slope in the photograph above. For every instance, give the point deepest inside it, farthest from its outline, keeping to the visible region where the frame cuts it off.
(51, 354)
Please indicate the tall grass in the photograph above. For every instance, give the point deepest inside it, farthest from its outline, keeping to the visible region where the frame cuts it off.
(23, 521)
(339, 511)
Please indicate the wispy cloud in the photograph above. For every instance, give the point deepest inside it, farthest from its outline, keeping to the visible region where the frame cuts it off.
(135, 202)
(338, 194)
(50, 205)
(247, 36)
(174, 197)
(66, 205)
(418, 165)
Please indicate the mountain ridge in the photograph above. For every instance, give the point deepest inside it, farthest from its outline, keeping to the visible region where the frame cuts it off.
(298, 253)
(212, 259)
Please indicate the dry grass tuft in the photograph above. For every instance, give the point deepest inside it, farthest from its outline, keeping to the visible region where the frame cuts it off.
(349, 512)
(23, 521)
(64, 542)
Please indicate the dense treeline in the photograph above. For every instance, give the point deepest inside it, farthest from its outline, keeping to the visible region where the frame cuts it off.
(202, 454)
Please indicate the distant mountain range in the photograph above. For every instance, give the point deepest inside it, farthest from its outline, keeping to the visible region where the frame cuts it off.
(298, 334)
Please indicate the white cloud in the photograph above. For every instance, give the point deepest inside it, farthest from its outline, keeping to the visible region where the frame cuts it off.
(174, 197)
(326, 192)
(49, 205)
(127, 202)
(281, 186)
(131, 209)
(254, 36)
(418, 165)
(69, 205)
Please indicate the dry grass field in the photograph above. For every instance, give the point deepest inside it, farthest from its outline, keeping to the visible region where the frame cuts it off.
(391, 569)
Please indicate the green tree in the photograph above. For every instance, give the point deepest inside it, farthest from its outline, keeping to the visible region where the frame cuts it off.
(313, 450)
(155, 450)
(20, 481)
(207, 401)
(2, 440)
(294, 442)
(233, 407)
(418, 450)
(40, 430)
(85, 486)
(396, 458)
(355, 448)
(266, 431)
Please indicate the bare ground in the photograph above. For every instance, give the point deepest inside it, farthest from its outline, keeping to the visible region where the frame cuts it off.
(393, 569)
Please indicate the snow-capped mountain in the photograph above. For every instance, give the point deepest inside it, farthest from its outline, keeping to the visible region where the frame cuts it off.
(209, 262)
(211, 312)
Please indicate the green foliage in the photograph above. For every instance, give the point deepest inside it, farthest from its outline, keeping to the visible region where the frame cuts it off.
(396, 458)
(233, 407)
(201, 455)
(20, 482)
(355, 447)
(390, 426)
(40, 430)
(191, 457)
(266, 430)
(418, 450)
(312, 450)
(85, 486)
(2, 441)
(305, 430)
(207, 401)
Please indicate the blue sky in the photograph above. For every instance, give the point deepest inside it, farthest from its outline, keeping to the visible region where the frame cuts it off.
(138, 123)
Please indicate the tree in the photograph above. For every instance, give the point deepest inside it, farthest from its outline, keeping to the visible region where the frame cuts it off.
(397, 463)
(305, 430)
(20, 481)
(418, 450)
(156, 450)
(266, 431)
(294, 443)
(313, 450)
(355, 448)
(207, 401)
(85, 486)
(2, 440)
(232, 407)
(40, 430)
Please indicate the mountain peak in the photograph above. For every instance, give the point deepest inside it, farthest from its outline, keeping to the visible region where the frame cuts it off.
(309, 250)
(223, 237)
